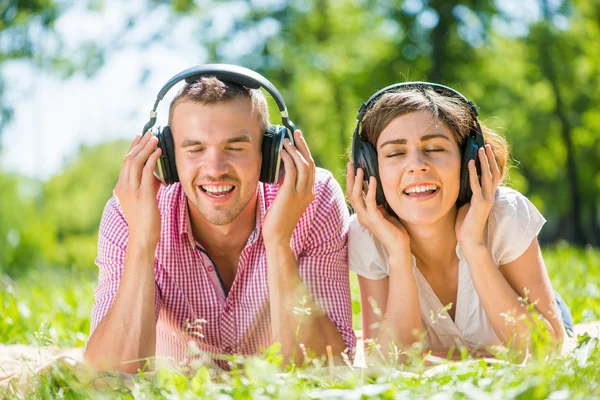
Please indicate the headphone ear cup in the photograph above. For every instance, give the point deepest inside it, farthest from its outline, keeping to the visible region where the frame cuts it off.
(272, 169)
(469, 153)
(170, 149)
(166, 170)
(368, 162)
(160, 170)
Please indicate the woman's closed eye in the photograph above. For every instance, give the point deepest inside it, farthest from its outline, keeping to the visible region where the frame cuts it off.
(395, 153)
(434, 150)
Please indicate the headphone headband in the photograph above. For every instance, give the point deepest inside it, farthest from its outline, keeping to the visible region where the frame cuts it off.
(441, 89)
(228, 73)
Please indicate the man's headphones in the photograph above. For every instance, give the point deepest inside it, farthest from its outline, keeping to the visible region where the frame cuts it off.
(364, 154)
(272, 167)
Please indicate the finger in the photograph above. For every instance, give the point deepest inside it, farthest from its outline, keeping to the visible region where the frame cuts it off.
(139, 146)
(124, 174)
(135, 142)
(148, 171)
(137, 163)
(493, 164)
(475, 187)
(289, 181)
(302, 147)
(370, 200)
(349, 178)
(356, 196)
(486, 173)
(301, 165)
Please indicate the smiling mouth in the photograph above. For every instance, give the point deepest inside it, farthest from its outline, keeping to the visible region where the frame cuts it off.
(421, 191)
(217, 191)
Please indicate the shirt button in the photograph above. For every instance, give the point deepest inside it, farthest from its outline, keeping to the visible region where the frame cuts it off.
(210, 269)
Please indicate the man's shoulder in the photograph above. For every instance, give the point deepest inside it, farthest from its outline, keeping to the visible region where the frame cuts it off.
(329, 199)
(170, 196)
(325, 182)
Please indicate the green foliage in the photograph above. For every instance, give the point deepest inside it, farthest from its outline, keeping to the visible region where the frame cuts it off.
(56, 223)
(33, 313)
(74, 201)
(540, 87)
(575, 376)
(20, 238)
(47, 307)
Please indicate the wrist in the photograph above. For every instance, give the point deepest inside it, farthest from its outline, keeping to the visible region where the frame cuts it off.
(142, 244)
(400, 259)
(472, 247)
(277, 241)
(397, 248)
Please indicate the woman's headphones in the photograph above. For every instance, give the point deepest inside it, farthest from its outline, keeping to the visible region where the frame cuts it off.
(272, 167)
(364, 154)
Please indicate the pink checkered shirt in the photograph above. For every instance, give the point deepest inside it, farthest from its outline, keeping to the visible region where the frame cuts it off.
(191, 307)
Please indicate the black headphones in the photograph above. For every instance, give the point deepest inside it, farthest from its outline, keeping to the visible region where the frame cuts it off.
(364, 154)
(272, 167)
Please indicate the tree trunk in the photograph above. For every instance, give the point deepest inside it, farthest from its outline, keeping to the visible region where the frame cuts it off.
(439, 38)
(550, 73)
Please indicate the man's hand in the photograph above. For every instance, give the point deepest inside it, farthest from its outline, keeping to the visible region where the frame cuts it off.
(137, 188)
(295, 193)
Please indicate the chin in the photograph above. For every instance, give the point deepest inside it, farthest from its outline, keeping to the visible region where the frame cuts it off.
(219, 219)
(419, 215)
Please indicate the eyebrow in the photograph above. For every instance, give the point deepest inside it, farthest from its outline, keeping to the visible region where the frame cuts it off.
(235, 139)
(424, 138)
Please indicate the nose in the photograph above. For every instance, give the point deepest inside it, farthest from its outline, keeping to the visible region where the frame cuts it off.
(214, 163)
(415, 162)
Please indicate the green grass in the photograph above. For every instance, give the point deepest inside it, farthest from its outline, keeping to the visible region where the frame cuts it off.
(54, 307)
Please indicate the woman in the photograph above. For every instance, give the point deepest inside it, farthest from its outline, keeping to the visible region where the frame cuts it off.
(436, 248)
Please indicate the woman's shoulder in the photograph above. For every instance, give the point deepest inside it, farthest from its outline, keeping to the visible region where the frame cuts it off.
(510, 204)
(366, 255)
(513, 223)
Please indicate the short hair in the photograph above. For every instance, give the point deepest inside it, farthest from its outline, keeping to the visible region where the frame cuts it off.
(210, 90)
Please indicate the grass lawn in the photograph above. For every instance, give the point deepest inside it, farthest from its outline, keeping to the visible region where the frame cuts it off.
(54, 307)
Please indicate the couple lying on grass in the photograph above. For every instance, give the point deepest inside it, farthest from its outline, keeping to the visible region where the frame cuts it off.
(231, 255)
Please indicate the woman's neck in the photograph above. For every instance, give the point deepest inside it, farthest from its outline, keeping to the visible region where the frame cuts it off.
(434, 245)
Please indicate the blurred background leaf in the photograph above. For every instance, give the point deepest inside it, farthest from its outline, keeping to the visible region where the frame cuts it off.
(533, 68)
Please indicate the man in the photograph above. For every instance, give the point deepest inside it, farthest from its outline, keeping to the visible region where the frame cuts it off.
(220, 262)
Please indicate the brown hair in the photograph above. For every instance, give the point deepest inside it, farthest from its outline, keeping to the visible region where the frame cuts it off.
(210, 90)
(452, 111)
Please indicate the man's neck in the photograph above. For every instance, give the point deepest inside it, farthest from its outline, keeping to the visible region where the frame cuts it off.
(218, 240)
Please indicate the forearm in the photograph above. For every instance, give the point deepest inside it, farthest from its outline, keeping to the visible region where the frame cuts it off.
(507, 314)
(128, 330)
(403, 315)
(290, 305)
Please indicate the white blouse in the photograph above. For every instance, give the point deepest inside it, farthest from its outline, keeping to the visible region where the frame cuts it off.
(511, 227)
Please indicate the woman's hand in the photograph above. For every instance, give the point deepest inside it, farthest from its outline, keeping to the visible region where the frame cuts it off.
(472, 217)
(387, 229)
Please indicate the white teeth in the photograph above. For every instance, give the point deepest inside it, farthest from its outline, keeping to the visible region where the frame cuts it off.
(420, 189)
(217, 189)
